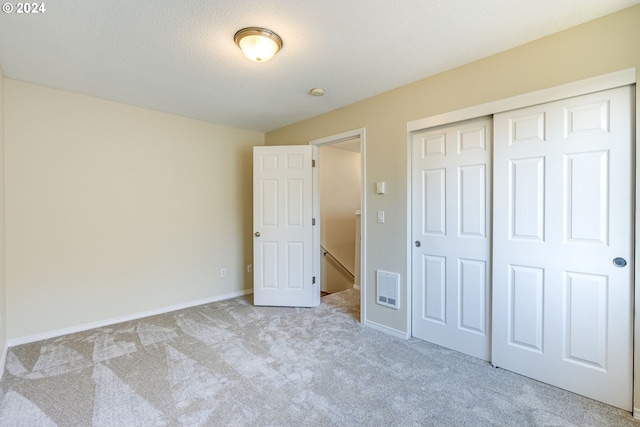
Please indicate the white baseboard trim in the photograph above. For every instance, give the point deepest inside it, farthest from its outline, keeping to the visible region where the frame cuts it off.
(135, 316)
(3, 359)
(387, 330)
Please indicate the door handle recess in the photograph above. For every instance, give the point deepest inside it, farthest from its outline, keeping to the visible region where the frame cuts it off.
(619, 262)
(418, 244)
(257, 234)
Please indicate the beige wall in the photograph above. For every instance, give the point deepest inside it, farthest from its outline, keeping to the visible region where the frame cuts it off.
(605, 45)
(339, 199)
(113, 210)
(3, 300)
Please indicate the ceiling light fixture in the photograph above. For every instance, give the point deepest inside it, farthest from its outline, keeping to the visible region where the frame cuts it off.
(317, 91)
(258, 44)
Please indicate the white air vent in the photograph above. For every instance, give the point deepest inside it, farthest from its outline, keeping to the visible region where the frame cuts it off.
(388, 289)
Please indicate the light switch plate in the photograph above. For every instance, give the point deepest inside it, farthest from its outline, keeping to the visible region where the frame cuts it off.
(380, 187)
(381, 217)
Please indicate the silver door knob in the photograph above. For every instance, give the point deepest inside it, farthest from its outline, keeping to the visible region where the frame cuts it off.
(619, 262)
(418, 244)
(257, 234)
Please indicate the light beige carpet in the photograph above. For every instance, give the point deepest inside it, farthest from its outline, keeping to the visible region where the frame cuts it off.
(233, 364)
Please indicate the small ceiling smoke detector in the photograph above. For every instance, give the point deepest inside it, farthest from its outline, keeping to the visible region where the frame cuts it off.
(258, 44)
(316, 91)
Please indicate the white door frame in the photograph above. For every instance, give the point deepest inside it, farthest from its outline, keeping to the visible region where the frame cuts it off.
(582, 87)
(334, 139)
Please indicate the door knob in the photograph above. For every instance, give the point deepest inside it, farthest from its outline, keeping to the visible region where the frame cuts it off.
(418, 244)
(257, 234)
(619, 262)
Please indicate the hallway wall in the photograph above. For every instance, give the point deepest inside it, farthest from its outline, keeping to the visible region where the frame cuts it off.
(340, 187)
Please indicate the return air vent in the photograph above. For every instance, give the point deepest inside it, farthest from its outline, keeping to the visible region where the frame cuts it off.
(388, 289)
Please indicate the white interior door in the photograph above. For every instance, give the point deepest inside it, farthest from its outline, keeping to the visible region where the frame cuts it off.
(282, 225)
(451, 231)
(563, 261)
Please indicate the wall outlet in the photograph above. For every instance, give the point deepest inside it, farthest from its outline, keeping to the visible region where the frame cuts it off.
(249, 268)
(223, 272)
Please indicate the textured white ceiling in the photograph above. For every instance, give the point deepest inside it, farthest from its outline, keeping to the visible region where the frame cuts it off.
(178, 56)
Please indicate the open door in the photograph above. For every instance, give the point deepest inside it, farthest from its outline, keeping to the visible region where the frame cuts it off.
(283, 227)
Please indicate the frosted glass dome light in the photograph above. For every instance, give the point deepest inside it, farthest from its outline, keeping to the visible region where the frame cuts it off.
(258, 44)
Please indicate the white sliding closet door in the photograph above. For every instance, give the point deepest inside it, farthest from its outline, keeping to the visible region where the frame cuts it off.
(451, 233)
(562, 247)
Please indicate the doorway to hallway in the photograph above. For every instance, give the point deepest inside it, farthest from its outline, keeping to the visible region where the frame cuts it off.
(339, 211)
